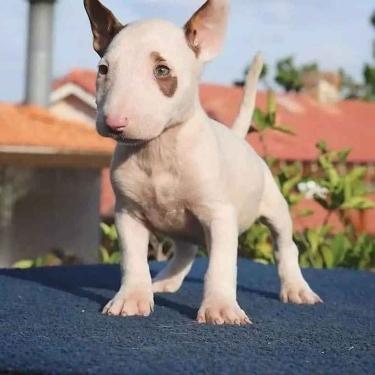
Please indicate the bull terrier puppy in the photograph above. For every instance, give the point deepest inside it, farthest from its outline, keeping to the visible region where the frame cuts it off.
(177, 171)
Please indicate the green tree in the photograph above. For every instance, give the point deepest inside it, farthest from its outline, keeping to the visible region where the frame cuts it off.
(369, 72)
(350, 88)
(361, 90)
(289, 76)
(369, 86)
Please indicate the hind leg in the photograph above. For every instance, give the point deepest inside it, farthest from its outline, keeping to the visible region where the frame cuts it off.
(274, 213)
(171, 277)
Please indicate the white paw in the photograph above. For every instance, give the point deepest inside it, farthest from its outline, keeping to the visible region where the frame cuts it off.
(139, 303)
(164, 284)
(222, 313)
(299, 293)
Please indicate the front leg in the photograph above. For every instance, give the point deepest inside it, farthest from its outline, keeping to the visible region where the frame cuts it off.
(135, 296)
(219, 304)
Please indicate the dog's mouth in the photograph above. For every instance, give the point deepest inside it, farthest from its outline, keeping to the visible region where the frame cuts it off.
(120, 137)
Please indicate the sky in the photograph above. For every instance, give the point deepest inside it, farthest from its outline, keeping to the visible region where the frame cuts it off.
(335, 33)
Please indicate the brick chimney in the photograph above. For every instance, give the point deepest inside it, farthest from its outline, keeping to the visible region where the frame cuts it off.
(322, 86)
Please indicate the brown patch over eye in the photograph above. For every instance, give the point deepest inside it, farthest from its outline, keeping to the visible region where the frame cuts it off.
(166, 82)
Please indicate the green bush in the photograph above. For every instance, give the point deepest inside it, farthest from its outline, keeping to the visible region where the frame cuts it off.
(56, 257)
(160, 247)
(344, 193)
(320, 248)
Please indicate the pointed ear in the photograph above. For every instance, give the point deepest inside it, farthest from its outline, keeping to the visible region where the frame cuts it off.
(104, 25)
(206, 30)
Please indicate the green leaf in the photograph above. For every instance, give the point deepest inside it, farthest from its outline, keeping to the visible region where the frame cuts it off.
(105, 255)
(337, 196)
(202, 251)
(290, 184)
(313, 238)
(270, 160)
(284, 129)
(40, 261)
(304, 261)
(305, 212)
(105, 228)
(324, 162)
(294, 198)
(113, 233)
(328, 258)
(322, 146)
(318, 261)
(259, 119)
(358, 173)
(340, 245)
(115, 258)
(27, 263)
(342, 155)
(361, 203)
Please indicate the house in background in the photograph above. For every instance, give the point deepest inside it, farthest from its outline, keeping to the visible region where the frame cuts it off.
(316, 114)
(50, 184)
(50, 168)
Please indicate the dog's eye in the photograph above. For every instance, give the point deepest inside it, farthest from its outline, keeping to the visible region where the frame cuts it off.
(162, 71)
(103, 69)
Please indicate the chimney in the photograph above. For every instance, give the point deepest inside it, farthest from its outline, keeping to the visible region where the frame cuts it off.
(39, 52)
(322, 86)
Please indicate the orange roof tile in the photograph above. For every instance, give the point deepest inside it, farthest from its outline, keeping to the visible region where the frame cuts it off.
(33, 126)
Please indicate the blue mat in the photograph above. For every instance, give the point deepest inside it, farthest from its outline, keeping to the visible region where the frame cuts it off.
(50, 324)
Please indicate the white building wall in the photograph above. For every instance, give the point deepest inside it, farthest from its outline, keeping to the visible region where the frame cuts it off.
(61, 210)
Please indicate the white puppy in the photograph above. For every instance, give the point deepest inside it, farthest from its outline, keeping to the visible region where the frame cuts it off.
(178, 172)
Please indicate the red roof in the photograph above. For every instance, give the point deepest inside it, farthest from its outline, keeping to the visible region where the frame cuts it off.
(84, 78)
(22, 125)
(364, 221)
(347, 124)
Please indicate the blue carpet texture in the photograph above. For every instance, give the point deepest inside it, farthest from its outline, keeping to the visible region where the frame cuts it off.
(50, 323)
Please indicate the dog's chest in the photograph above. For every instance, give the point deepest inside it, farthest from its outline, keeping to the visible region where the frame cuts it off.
(164, 208)
(162, 203)
(153, 186)
(156, 196)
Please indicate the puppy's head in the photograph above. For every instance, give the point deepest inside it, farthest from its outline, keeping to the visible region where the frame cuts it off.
(149, 70)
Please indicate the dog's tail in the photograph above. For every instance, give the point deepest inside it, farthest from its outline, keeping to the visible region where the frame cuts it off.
(242, 123)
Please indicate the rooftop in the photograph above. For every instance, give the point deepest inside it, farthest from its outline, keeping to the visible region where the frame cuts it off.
(35, 131)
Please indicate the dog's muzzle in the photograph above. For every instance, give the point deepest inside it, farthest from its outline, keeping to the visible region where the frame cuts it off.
(119, 136)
